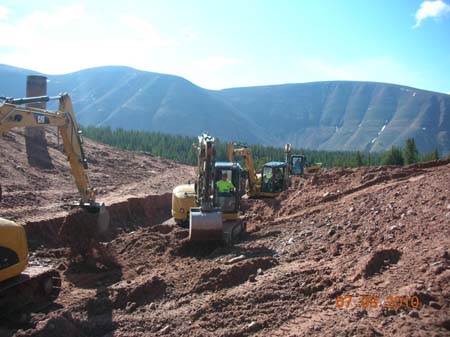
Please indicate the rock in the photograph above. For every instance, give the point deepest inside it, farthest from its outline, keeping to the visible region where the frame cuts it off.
(252, 278)
(326, 194)
(140, 270)
(355, 225)
(413, 314)
(290, 241)
(253, 326)
(165, 329)
(435, 305)
(410, 212)
(152, 306)
(331, 232)
(61, 267)
(131, 306)
(259, 271)
(236, 259)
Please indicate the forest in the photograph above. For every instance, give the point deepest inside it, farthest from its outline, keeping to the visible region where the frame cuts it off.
(180, 148)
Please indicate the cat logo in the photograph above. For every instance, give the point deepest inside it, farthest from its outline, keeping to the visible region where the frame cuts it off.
(41, 119)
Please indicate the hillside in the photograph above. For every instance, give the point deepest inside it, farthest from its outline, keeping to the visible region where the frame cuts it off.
(339, 115)
(34, 194)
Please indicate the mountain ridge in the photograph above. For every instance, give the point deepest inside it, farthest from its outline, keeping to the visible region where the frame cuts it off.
(326, 115)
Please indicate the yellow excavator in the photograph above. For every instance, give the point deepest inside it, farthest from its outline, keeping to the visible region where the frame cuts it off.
(209, 212)
(23, 286)
(274, 177)
(272, 180)
(295, 163)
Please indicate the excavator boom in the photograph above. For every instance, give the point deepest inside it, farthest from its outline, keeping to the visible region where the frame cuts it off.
(13, 115)
(205, 222)
(22, 286)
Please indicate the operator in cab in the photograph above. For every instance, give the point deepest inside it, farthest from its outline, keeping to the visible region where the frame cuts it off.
(223, 185)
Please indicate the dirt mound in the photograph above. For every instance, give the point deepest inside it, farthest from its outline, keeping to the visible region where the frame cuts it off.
(380, 260)
(141, 291)
(219, 278)
(32, 194)
(345, 252)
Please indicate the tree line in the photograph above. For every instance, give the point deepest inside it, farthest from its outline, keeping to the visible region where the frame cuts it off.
(180, 148)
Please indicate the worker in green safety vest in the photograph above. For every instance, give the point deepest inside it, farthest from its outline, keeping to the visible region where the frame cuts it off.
(223, 185)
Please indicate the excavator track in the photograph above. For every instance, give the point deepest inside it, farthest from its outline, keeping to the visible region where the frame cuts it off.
(33, 290)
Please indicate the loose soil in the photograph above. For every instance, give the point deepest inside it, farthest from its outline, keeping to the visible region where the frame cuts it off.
(346, 234)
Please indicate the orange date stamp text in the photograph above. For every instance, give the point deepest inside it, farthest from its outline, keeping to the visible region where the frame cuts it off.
(371, 301)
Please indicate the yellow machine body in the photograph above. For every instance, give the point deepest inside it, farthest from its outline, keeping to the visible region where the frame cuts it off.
(183, 199)
(208, 213)
(14, 249)
(14, 274)
(258, 185)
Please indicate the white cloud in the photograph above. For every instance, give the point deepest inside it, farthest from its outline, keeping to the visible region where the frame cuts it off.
(4, 13)
(144, 31)
(64, 39)
(431, 9)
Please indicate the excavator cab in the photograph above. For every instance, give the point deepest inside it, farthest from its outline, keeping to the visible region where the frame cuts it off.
(273, 177)
(297, 165)
(227, 180)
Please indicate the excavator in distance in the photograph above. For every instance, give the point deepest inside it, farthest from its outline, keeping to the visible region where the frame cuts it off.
(210, 214)
(295, 163)
(20, 285)
(270, 183)
(274, 177)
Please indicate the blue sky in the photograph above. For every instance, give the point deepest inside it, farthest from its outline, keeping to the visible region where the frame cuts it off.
(221, 44)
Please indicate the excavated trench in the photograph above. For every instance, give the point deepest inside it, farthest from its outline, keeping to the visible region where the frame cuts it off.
(125, 215)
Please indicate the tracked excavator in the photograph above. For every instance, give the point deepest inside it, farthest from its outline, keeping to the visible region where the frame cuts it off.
(272, 180)
(23, 286)
(295, 163)
(210, 214)
(274, 177)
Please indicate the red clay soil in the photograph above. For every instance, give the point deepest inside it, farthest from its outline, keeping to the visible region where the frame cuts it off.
(33, 194)
(332, 256)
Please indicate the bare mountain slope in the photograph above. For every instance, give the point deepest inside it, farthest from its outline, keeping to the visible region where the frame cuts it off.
(339, 115)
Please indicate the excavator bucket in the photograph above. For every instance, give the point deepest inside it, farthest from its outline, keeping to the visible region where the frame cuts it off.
(205, 226)
(83, 229)
(103, 219)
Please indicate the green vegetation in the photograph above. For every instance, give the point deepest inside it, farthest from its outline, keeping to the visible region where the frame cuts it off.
(410, 153)
(393, 157)
(179, 148)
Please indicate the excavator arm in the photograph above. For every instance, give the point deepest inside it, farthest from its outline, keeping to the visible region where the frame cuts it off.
(205, 221)
(13, 114)
(245, 153)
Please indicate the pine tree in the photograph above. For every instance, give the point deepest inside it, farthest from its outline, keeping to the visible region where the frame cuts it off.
(393, 157)
(410, 153)
(358, 159)
(435, 154)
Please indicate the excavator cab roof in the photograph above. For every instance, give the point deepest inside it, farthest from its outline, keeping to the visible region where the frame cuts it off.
(227, 165)
(275, 164)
